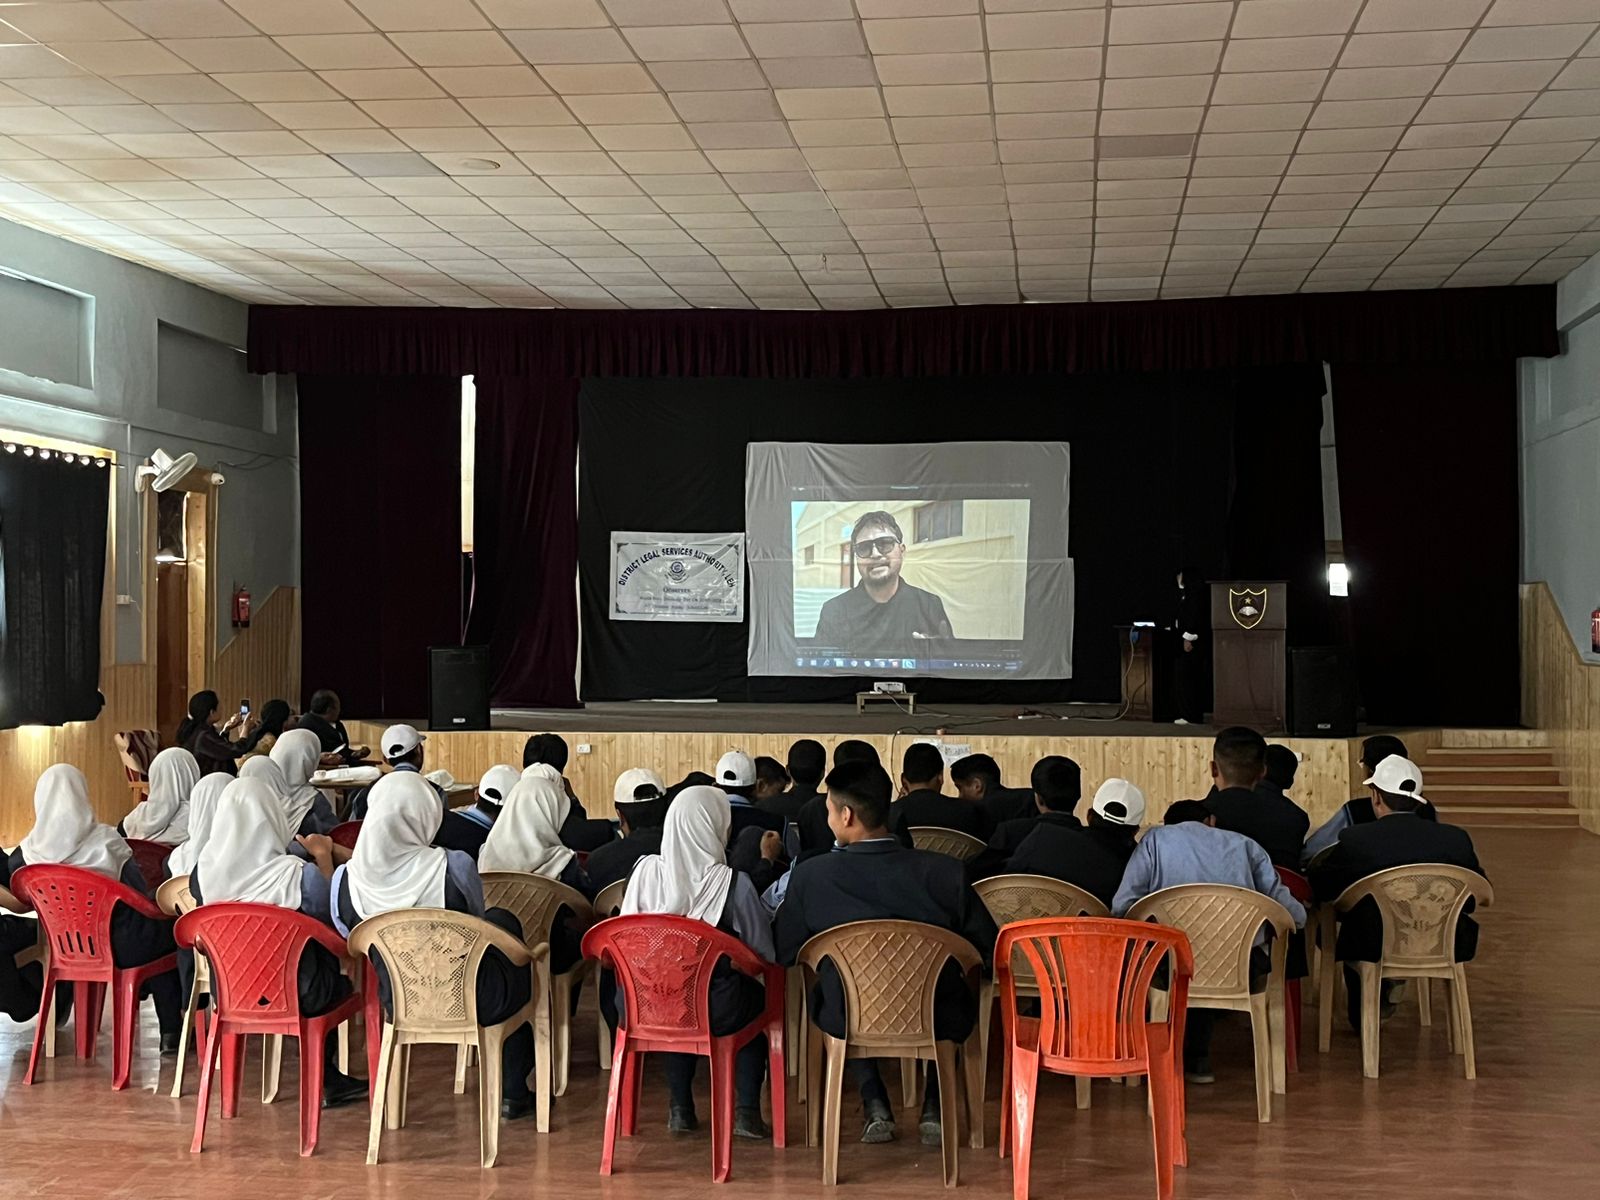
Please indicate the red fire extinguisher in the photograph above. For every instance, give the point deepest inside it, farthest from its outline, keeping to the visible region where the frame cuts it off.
(1594, 630)
(241, 608)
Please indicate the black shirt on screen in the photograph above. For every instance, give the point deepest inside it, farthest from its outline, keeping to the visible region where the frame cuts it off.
(854, 620)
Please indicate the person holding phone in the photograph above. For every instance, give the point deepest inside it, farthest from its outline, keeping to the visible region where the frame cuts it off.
(199, 735)
(882, 614)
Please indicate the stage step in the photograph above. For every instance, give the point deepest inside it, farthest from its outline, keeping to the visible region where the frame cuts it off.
(1493, 739)
(1490, 795)
(1436, 777)
(1485, 817)
(1498, 756)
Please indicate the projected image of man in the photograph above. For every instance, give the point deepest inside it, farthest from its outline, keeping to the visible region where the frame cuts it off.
(882, 612)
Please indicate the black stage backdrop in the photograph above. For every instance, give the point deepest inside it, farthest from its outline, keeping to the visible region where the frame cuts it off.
(1203, 467)
(52, 576)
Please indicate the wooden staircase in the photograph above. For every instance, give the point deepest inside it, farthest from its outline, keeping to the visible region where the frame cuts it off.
(1498, 786)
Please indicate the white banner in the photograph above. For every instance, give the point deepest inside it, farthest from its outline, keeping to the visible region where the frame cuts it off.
(677, 577)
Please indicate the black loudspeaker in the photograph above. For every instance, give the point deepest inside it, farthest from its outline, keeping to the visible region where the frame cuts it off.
(1322, 700)
(458, 687)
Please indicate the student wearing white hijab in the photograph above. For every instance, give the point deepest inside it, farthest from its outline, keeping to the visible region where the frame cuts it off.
(65, 833)
(163, 815)
(202, 812)
(297, 753)
(396, 866)
(691, 878)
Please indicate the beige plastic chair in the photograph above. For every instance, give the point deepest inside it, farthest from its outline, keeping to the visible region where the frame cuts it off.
(947, 841)
(608, 903)
(1420, 905)
(1222, 923)
(39, 953)
(889, 970)
(432, 956)
(536, 901)
(1025, 898)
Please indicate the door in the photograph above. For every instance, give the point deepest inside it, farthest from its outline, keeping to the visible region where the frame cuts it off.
(172, 647)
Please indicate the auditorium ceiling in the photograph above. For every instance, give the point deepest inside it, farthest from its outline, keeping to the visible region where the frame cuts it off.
(795, 154)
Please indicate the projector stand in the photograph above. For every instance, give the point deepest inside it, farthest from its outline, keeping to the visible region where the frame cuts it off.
(910, 699)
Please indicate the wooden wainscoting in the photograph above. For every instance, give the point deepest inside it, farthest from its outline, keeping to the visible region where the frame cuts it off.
(262, 662)
(1561, 698)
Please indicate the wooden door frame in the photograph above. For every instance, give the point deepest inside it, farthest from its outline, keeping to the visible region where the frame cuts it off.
(196, 482)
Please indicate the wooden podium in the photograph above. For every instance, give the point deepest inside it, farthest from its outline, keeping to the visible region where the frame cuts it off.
(1249, 618)
(1138, 644)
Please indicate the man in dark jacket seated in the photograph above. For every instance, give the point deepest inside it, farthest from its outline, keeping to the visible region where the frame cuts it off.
(977, 779)
(466, 829)
(873, 877)
(1057, 787)
(641, 804)
(1244, 802)
(1093, 857)
(814, 833)
(923, 802)
(806, 765)
(578, 832)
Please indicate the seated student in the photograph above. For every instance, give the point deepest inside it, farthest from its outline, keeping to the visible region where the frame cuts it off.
(805, 767)
(874, 877)
(467, 828)
(641, 804)
(1239, 803)
(297, 754)
(1399, 837)
(1093, 857)
(1359, 811)
(395, 866)
(736, 775)
(1057, 787)
(401, 747)
(198, 734)
(578, 832)
(243, 859)
(977, 780)
(690, 879)
(65, 833)
(812, 825)
(273, 720)
(771, 780)
(322, 719)
(1188, 848)
(202, 814)
(163, 815)
(922, 800)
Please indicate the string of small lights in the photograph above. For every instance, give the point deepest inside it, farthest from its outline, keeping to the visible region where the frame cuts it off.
(45, 455)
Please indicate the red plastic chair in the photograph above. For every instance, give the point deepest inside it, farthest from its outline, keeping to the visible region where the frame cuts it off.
(75, 908)
(254, 951)
(151, 859)
(663, 967)
(1105, 967)
(1300, 888)
(345, 834)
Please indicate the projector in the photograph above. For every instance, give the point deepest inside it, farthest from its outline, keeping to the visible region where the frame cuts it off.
(889, 687)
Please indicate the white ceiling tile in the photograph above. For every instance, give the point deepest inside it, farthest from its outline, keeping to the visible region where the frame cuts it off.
(924, 35)
(68, 22)
(1471, 78)
(1498, 106)
(1378, 83)
(1294, 18)
(1361, 114)
(1037, 30)
(1177, 59)
(1538, 12)
(1173, 92)
(827, 103)
(797, 39)
(333, 51)
(1046, 97)
(1235, 118)
(466, 48)
(123, 58)
(182, 18)
(935, 100)
(686, 43)
(1263, 87)
(822, 71)
(1282, 54)
(595, 79)
(1398, 15)
(1033, 66)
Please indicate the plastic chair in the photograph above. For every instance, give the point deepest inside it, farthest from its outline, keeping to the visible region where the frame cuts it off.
(536, 902)
(1012, 898)
(254, 951)
(1420, 905)
(174, 899)
(345, 834)
(75, 908)
(151, 859)
(136, 748)
(1300, 888)
(1094, 978)
(1222, 923)
(432, 956)
(889, 970)
(39, 953)
(663, 967)
(608, 903)
(947, 841)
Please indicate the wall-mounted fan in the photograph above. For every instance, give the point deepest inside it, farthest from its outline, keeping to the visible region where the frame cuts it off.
(163, 471)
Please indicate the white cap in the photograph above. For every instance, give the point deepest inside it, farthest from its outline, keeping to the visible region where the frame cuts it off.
(497, 783)
(399, 740)
(631, 780)
(1119, 802)
(735, 769)
(1398, 776)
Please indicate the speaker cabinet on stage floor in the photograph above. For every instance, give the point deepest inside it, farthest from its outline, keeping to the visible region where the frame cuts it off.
(458, 687)
(1322, 691)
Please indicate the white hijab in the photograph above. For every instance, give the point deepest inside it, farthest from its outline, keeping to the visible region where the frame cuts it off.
(163, 815)
(244, 859)
(202, 813)
(690, 877)
(64, 829)
(394, 865)
(526, 836)
(297, 753)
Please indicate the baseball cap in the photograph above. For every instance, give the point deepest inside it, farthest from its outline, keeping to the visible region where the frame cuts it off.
(736, 769)
(497, 783)
(399, 740)
(1398, 776)
(631, 781)
(1118, 801)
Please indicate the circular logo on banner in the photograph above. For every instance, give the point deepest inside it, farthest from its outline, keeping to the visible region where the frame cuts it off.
(677, 569)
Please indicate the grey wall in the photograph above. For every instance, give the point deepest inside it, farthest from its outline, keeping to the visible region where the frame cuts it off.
(157, 364)
(1561, 457)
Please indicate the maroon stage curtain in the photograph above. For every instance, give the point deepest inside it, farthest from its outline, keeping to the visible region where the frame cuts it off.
(1428, 491)
(1445, 325)
(380, 536)
(525, 539)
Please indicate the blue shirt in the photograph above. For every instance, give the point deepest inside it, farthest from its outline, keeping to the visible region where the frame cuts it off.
(1194, 852)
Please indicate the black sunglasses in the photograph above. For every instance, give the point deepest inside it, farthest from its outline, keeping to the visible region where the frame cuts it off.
(879, 547)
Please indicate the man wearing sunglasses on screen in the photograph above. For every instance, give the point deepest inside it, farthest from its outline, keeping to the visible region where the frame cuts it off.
(882, 613)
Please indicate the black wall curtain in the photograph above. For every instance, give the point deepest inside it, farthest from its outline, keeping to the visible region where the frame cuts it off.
(380, 536)
(1154, 468)
(52, 575)
(525, 539)
(1428, 489)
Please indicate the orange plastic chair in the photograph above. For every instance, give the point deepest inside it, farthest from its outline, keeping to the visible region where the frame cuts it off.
(1094, 977)
(151, 859)
(663, 967)
(345, 834)
(75, 908)
(1300, 888)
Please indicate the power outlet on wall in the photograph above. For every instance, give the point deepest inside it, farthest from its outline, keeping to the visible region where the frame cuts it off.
(584, 748)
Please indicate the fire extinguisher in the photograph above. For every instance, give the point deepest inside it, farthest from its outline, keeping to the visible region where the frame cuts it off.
(1594, 630)
(241, 608)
